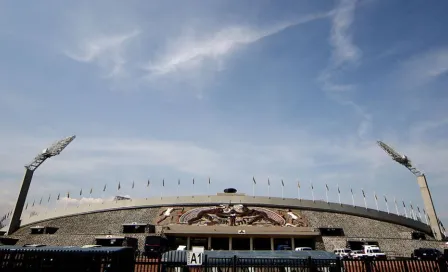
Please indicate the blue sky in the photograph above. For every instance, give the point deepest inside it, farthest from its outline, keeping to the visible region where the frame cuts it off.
(292, 90)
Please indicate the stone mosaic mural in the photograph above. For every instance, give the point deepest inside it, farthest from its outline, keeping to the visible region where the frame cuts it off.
(231, 215)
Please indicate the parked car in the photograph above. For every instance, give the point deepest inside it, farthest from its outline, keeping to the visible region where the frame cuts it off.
(283, 247)
(426, 254)
(302, 248)
(358, 254)
(344, 253)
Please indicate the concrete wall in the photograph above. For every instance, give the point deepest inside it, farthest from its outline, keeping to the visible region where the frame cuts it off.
(229, 198)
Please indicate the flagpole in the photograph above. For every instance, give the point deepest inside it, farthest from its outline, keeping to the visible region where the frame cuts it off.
(339, 195)
(253, 186)
(376, 202)
(269, 188)
(412, 211)
(66, 200)
(396, 206)
(90, 195)
(419, 214)
(147, 185)
(209, 182)
(353, 198)
(387, 204)
(364, 196)
(405, 211)
(312, 190)
(48, 204)
(283, 190)
(118, 191)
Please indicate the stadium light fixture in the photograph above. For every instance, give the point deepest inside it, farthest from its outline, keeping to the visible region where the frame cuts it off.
(54, 150)
(434, 221)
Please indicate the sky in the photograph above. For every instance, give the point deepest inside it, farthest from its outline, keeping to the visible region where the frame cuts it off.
(298, 91)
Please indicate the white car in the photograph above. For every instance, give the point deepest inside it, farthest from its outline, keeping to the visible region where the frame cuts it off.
(302, 248)
(358, 254)
(344, 253)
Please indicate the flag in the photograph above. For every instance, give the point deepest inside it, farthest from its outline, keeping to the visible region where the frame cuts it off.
(178, 182)
(91, 190)
(209, 181)
(418, 208)
(26, 207)
(312, 187)
(298, 184)
(283, 184)
(59, 196)
(49, 197)
(326, 185)
(376, 197)
(424, 212)
(411, 206)
(133, 184)
(68, 194)
(385, 198)
(147, 184)
(269, 183)
(351, 190)
(80, 192)
(119, 185)
(253, 178)
(104, 189)
(339, 191)
(193, 181)
(40, 202)
(364, 195)
(163, 182)
(404, 205)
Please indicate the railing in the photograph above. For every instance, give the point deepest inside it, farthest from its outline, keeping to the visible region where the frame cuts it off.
(54, 259)
(236, 264)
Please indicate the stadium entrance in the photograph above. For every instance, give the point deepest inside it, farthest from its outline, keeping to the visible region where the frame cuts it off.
(239, 242)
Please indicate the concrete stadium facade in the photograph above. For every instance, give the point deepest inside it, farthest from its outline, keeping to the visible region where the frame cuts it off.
(237, 220)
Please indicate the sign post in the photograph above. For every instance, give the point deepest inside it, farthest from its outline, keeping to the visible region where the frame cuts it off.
(195, 257)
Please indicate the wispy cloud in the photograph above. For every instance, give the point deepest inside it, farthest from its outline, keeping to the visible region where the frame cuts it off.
(344, 54)
(106, 51)
(344, 51)
(425, 67)
(190, 52)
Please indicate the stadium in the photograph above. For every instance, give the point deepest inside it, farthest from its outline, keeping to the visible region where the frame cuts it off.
(227, 221)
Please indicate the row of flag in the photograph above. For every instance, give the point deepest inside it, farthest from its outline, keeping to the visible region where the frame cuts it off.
(327, 189)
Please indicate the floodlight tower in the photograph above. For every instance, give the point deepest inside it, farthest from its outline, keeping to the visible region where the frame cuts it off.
(424, 189)
(47, 153)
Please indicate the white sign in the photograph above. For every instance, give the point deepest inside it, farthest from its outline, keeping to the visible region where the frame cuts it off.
(194, 258)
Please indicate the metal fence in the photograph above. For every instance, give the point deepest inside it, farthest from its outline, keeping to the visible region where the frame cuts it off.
(56, 259)
(235, 264)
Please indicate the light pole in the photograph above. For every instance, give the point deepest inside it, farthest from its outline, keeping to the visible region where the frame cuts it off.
(424, 189)
(47, 153)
